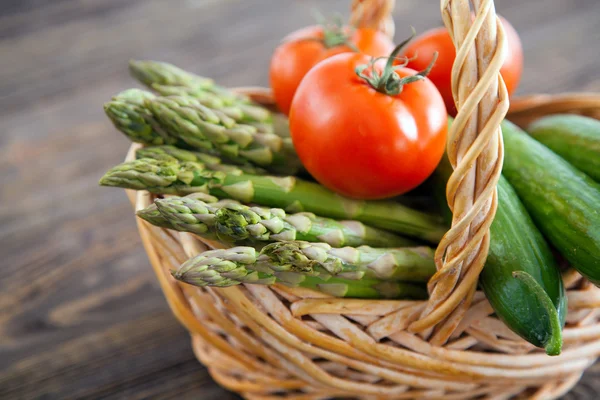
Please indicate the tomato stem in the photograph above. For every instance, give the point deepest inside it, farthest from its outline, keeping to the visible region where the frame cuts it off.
(388, 81)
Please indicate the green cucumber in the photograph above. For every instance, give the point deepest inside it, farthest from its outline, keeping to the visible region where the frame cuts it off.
(574, 138)
(563, 201)
(520, 279)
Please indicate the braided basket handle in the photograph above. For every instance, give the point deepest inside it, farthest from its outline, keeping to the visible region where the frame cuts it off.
(474, 148)
(374, 14)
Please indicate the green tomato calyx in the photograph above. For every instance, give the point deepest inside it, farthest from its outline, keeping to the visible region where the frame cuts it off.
(388, 81)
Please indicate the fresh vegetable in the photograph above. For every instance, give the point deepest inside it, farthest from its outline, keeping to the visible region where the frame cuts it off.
(150, 72)
(420, 53)
(129, 114)
(161, 73)
(368, 130)
(169, 80)
(304, 48)
(535, 308)
(242, 113)
(211, 131)
(338, 272)
(289, 193)
(562, 200)
(212, 162)
(574, 138)
(153, 216)
(235, 222)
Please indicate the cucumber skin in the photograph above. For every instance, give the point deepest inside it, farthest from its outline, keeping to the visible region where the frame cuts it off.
(573, 137)
(563, 201)
(516, 245)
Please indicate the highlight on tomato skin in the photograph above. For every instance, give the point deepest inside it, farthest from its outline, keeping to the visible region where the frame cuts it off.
(420, 52)
(304, 48)
(360, 142)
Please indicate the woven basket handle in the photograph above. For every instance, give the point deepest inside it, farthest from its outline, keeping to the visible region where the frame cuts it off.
(475, 150)
(374, 14)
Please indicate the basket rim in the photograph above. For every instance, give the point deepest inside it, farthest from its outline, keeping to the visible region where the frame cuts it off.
(583, 340)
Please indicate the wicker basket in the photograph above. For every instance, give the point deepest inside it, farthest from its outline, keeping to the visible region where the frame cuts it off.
(272, 342)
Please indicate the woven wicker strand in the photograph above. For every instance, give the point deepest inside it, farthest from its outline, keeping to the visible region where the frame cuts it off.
(374, 14)
(273, 342)
(475, 150)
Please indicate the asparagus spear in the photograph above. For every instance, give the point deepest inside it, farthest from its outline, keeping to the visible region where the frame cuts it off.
(168, 79)
(129, 115)
(152, 215)
(206, 129)
(236, 222)
(237, 265)
(289, 193)
(242, 113)
(252, 114)
(176, 154)
(150, 72)
(155, 72)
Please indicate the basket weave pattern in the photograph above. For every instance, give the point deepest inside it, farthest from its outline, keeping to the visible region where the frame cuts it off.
(475, 150)
(272, 341)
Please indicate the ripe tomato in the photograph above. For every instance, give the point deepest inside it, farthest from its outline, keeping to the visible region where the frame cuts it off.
(438, 39)
(302, 49)
(361, 142)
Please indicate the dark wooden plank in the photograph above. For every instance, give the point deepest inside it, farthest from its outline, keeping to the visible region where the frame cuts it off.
(145, 367)
(81, 314)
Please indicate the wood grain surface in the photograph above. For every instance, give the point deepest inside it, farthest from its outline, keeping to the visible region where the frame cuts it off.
(81, 314)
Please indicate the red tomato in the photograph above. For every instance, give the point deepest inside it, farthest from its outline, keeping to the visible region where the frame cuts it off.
(302, 49)
(363, 143)
(438, 39)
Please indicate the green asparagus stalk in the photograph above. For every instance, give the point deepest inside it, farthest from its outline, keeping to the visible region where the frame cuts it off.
(155, 72)
(168, 80)
(413, 264)
(205, 98)
(289, 193)
(281, 125)
(241, 113)
(167, 152)
(153, 216)
(206, 129)
(129, 115)
(176, 154)
(251, 114)
(236, 222)
(288, 263)
(150, 72)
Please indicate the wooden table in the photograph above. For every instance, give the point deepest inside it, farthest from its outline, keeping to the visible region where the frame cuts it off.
(81, 314)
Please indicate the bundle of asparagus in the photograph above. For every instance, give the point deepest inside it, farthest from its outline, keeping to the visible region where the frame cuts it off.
(231, 221)
(217, 147)
(129, 114)
(214, 163)
(155, 72)
(361, 272)
(289, 193)
(186, 122)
